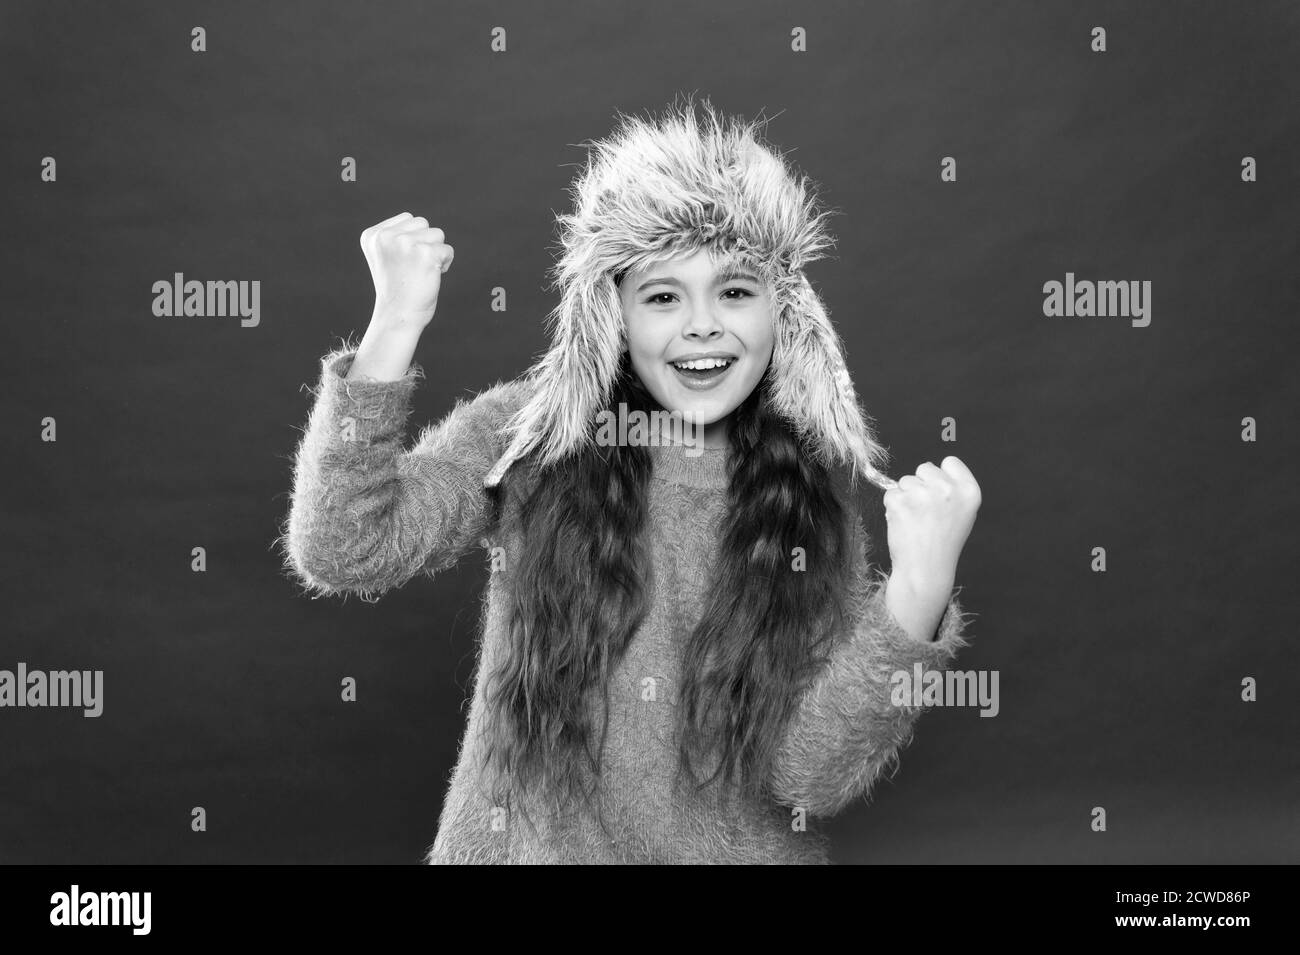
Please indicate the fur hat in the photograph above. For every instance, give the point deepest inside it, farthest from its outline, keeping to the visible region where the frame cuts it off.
(653, 190)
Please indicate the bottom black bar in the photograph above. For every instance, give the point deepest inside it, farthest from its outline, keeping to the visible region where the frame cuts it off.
(335, 904)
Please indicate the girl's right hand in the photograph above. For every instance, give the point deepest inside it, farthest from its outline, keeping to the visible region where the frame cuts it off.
(407, 259)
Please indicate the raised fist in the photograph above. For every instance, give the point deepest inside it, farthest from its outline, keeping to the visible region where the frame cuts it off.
(930, 516)
(407, 259)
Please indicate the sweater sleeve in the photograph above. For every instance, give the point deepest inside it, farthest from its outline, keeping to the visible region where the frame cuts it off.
(846, 730)
(367, 514)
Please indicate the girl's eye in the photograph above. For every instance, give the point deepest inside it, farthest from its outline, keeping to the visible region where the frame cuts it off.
(654, 299)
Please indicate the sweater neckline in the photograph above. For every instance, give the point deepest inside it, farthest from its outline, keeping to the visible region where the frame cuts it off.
(694, 466)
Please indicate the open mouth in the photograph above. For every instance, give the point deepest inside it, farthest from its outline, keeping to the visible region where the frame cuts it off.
(702, 370)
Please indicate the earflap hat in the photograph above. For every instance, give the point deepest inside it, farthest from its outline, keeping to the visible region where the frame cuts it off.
(662, 187)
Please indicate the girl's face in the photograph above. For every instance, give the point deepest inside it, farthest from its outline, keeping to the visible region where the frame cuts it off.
(684, 309)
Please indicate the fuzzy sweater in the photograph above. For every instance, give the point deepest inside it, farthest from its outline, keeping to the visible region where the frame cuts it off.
(368, 514)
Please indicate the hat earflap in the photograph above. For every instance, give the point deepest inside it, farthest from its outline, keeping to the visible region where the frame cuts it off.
(572, 383)
(812, 387)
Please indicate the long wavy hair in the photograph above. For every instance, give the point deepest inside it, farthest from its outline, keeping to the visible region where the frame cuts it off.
(579, 596)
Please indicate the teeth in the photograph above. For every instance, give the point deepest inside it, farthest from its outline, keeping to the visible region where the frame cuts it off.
(702, 364)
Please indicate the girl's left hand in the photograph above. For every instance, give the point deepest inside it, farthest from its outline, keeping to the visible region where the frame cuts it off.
(930, 516)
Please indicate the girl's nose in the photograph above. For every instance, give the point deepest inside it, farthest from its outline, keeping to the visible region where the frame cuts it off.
(701, 323)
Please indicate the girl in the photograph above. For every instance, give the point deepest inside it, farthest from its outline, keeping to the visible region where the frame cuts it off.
(685, 656)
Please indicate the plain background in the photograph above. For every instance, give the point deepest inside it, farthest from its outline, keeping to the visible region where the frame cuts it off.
(1119, 690)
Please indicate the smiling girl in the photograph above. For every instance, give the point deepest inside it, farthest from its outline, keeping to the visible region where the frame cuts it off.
(698, 340)
(685, 652)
